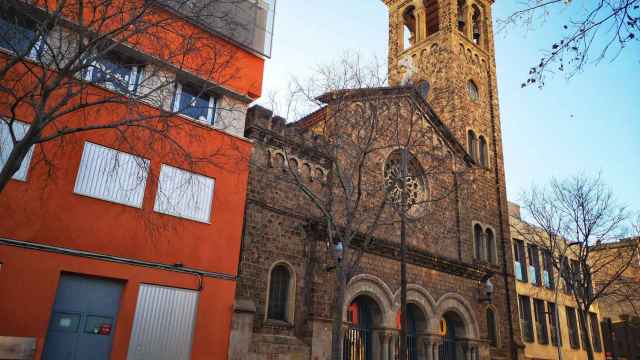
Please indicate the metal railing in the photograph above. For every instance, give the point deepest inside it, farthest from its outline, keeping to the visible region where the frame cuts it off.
(357, 344)
(449, 350)
(412, 348)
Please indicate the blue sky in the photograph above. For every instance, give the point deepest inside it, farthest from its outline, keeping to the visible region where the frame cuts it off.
(589, 124)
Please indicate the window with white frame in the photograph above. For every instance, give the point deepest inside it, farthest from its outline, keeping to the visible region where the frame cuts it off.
(195, 103)
(18, 34)
(184, 194)
(115, 72)
(112, 175)
(6, 146)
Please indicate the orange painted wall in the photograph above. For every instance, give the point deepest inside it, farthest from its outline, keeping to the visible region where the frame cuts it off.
(173, 40)
(44, 209)
(28, 284)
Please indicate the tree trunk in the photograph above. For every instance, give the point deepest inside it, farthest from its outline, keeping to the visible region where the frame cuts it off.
(336, 328)
(17, 155)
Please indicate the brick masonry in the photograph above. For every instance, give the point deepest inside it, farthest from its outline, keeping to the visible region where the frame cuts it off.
(278, 215)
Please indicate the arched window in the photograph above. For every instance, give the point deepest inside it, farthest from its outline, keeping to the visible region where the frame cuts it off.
(433, 18)
(478, 239)
(409, 18)
(474, 94)
(472, 141)
(476, 19)
(492, 329)
(462, 16)
(491, 246)
(279, 293)
(482, 142)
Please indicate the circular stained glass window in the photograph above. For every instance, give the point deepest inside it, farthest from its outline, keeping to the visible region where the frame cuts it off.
(416, 184)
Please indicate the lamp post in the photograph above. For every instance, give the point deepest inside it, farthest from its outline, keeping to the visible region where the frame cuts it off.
(403, 254)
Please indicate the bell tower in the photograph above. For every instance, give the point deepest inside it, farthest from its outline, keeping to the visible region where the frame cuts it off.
(448, 43)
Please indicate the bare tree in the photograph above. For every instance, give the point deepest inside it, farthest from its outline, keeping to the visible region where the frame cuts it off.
(593, 31)
(72, 67)
(391, 161)
(570, 220)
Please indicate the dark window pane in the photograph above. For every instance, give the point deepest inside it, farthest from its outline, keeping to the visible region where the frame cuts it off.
(534, 265)
(194, 103)
(595, 332)
(491, 246)
(483, 152)
(541, 322)
(113, 72)
(279, 293)
(572, 324)
(520, 255)
(525, 318)
(556, 339)
(472, 143)
(491, 328)
(478, 239)
(17, 33)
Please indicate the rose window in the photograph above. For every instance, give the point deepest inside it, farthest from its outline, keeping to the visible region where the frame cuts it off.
(416, 185)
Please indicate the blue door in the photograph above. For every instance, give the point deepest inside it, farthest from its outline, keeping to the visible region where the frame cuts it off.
(83, 319)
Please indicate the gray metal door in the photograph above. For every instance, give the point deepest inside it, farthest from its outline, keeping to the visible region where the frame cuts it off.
(83, 319)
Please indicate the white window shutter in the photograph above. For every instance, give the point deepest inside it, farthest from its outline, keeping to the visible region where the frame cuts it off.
(184, 194)
(6, 146)
(112, 175)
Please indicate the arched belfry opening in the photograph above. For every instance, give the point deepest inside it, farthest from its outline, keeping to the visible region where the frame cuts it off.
(363, 316)
(476, 24)
(462, 16)
(409, 20)
(433, 16)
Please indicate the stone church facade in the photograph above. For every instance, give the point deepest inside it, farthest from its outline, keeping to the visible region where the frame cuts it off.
(284, 298)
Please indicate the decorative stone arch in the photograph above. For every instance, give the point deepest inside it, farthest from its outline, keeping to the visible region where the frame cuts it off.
(376, 289)
(452, 302)
(420, 297)
(291, 298)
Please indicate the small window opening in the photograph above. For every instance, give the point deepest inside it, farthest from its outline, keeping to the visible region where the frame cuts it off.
(409, 18)
(483, 152)
(476, 20)
(462, 16)
(472, 141)
(433, 17)
(478, 237)
(279, 293)
(474, 94)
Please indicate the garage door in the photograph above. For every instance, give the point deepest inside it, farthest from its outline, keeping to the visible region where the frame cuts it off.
(163, 324)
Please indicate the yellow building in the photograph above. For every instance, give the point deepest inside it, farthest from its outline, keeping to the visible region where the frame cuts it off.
(542, 293)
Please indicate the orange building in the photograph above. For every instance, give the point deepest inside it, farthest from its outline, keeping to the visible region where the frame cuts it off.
(123, 242)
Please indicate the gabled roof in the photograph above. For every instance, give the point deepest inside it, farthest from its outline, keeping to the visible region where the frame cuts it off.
(409, 91)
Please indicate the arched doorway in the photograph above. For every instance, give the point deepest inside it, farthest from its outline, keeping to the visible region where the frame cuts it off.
(363, 315)
(416, 324)
(454, 330)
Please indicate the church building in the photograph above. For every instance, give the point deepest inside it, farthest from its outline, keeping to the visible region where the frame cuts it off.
(442, 106)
